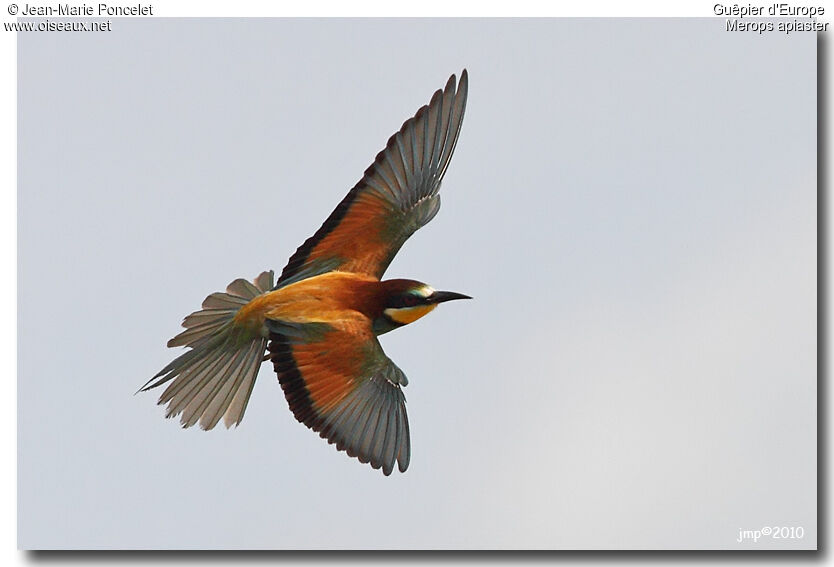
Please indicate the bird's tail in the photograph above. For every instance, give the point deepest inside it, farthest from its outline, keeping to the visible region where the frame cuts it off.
(215, 377)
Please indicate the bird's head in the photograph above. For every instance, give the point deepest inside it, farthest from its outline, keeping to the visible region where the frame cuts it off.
(405, 301)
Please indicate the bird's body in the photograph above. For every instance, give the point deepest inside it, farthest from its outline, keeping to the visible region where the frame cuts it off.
(319, 322)
(335, 297)
(329, 297)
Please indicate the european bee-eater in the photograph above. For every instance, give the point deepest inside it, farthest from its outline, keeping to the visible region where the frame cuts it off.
(319, 322)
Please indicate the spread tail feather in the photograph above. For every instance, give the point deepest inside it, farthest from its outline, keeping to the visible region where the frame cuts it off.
(215, 378)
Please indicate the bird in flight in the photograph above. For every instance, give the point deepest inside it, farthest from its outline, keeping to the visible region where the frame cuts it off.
(319, 323)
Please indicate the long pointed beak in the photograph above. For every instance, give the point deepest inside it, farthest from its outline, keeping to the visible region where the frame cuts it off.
(441, 296)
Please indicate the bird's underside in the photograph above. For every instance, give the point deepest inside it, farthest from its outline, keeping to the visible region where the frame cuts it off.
(318, 324)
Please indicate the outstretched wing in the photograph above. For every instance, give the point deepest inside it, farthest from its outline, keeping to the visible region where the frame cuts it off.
(396, 196)
(339, 383)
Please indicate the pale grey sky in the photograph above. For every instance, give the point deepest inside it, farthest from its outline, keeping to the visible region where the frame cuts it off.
(632, 203)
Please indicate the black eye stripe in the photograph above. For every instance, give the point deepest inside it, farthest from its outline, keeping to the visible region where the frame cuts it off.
(407, 300)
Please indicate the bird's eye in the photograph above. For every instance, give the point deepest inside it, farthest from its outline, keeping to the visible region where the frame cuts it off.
(409, 301)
